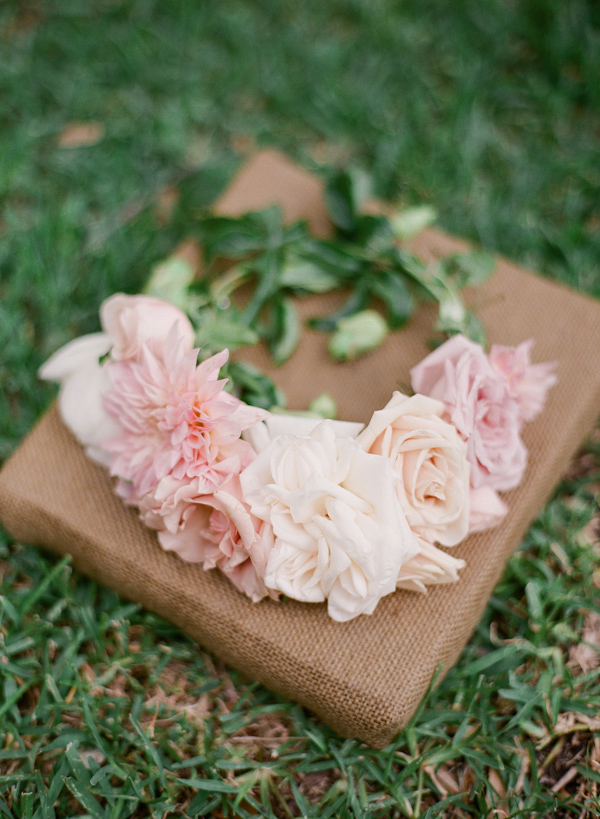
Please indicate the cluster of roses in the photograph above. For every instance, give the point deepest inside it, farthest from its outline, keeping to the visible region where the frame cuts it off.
(314, 510)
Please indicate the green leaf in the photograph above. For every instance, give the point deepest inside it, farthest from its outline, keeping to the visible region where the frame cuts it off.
(407, 222)
(306, 275)
(391, 288)
(357, 300)
(341, 202)
(222, 333)
(331, 256)
(170, 280)
(252, 386)
(357, 335)
(467, 269)
(288, 331)
(374, 232)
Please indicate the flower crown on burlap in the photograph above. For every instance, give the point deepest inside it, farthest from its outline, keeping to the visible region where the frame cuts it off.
(296, 505)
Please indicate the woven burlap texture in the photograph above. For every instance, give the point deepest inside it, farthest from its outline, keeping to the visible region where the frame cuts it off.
(366, 677)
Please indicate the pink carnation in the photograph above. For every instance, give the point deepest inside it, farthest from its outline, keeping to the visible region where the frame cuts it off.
(527, 383)
(176, 420)
(215, 530)
(480, 405)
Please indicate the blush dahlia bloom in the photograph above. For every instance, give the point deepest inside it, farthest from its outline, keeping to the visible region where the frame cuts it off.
(176, 420)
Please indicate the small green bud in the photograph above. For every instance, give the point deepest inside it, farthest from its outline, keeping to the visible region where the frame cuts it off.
(357, 334)
(324, 406)
(170, 280)
(410, 221)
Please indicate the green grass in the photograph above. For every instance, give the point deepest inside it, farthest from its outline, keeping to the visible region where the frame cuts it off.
(490, 111)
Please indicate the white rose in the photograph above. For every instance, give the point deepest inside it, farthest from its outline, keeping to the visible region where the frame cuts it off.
(131, 321)
(262, 433)
(431, 459)
(83, 380)
(431, 567)
(339, 532)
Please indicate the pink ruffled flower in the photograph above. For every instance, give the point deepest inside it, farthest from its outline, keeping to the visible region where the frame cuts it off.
(133, 322)
(215, 530)
(480, 405)
(487, 509)
(527, 383)
(176, 420)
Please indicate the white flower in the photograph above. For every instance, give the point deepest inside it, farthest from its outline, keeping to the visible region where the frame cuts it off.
(431, 460)
(83, 380)
(431, 567)
(135, 321)
(262, 433)
(339, 532)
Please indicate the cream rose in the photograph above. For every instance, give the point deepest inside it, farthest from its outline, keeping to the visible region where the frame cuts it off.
(83, 383)
(430, 458)
(431, 567)
(339, 533)
(132, 321)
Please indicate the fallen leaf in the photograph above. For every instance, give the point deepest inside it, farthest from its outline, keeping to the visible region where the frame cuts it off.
(80, 134)
(586, 655)
(496, 799)
(165, 204)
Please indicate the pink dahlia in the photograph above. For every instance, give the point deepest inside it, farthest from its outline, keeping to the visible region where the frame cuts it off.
(176, 420)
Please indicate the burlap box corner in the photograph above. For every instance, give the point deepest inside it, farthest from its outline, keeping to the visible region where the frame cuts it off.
(366, 677)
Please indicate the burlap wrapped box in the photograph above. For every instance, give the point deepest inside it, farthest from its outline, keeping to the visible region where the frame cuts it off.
(365, 677)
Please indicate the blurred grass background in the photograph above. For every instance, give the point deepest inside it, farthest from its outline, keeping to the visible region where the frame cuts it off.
(489, 111)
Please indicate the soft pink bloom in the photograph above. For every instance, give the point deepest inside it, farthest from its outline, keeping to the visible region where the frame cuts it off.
(176, 420)
(133, 322)
(430, 567)
(481, 407)
(215, 530)
(527, 383)
(487, 509)
(430, 458)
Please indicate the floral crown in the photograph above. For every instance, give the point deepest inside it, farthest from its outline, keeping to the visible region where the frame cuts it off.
(315, 510)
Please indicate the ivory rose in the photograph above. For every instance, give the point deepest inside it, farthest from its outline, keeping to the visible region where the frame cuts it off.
(263, 432)
(430, 567)
(339, 532)
(479, 404)
(430, 459)
(132, 322)
(84, 381)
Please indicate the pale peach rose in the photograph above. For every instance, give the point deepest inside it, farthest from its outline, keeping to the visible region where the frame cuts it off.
(430, 567)
(487, 509)
(83, 383)
(527, 383)
(430, 458)
(479, 404)
(134, 321)
(339, 532)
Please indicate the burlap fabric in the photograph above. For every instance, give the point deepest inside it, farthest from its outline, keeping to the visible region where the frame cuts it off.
(366, 677)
